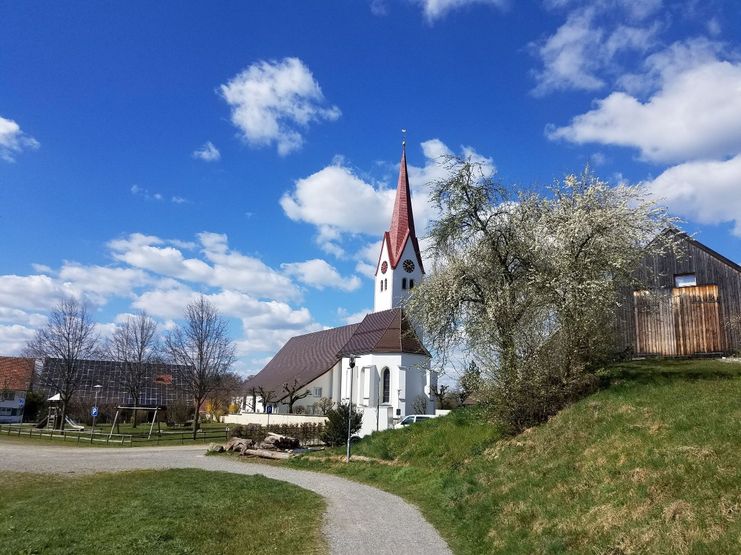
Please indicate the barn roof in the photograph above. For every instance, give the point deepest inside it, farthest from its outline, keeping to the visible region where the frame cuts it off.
(695, 243)
(16, 373)
(306, 357)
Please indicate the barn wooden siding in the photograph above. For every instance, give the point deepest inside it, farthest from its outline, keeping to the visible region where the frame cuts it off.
(657, 318)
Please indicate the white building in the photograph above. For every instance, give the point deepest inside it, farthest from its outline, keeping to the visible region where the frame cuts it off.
(391, 377)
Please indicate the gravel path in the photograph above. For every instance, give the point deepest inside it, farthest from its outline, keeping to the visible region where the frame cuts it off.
(359, 519)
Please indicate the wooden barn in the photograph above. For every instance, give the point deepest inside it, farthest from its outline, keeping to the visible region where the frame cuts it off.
(688, 304)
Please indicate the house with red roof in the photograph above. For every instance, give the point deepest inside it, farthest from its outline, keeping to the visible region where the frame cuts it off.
(16, 378)
(379, 364)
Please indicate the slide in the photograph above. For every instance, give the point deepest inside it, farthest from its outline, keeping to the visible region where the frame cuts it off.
(72, 424)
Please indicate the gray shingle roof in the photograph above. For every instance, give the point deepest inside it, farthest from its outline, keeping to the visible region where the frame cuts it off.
(306, 357)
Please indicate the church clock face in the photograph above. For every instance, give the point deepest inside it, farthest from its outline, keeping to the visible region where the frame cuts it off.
(384, 267)
(408, 266)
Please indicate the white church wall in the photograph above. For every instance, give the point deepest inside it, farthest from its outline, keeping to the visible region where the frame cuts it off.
(318, 388)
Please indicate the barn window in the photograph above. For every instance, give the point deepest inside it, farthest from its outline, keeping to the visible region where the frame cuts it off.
(386, 385)
(685, 280)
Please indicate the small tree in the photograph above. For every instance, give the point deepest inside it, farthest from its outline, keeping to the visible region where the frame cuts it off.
(292, 394)
(439, 392)
(335, 431)
(202, 352)
(419, 406)
(134, 345)
(70, 338)
(470, 381)
(324, 405)
(267, 396)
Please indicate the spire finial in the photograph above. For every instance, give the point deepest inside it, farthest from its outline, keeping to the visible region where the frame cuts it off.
(403, 137)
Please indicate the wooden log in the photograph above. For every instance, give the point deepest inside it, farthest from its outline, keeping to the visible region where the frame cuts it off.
(266, 454)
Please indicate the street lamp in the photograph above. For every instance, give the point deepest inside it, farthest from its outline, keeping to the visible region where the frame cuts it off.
(349, 407)
(97, 389)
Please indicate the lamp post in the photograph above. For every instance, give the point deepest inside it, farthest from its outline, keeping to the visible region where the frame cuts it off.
(349, 407)
(97, 389)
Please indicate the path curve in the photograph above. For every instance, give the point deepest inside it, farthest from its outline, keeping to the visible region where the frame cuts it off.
(360, 519)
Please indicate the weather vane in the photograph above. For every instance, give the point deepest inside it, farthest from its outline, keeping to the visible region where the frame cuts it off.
(403, 137)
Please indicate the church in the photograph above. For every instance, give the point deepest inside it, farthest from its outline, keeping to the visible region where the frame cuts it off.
(379, 364)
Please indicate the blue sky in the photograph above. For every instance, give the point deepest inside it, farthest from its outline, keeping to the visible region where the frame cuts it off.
(153, 151)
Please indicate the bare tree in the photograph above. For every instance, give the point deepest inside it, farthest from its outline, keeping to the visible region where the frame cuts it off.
(202, 351)
(69, 337)
(266, 395)
(134, 345)
(292, 394)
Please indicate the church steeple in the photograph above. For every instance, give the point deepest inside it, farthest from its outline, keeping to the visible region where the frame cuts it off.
(393, 282)
(402, 219)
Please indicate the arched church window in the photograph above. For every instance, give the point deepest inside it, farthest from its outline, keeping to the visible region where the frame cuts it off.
(386, 385)
(385, 284)
(403, 283)
(381, 284)
(411, 284)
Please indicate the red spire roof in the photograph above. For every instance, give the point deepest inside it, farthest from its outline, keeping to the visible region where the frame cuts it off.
(402, 219)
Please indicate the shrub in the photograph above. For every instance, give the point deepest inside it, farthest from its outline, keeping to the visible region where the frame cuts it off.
(335, 432)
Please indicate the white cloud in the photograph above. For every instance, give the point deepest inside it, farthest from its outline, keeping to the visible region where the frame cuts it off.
(14, 338)
(275, 101)
(98, 283)
(222, 266)
(708, 192)
(17, 316)
(338, 202)
(438, 9)
(41, 268)
(353, 318)
(144, 193)
(33, 292)
(208, 153)
(320, 274)
(576, 55)
(13, 141)
(693, 115)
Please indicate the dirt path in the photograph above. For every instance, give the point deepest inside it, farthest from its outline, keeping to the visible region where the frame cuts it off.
(359, 520)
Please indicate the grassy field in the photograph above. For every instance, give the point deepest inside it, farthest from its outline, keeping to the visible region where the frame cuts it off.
(157, 512)
(130, 436)
(650, 464)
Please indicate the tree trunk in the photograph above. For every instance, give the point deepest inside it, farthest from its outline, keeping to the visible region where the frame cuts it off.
(195, 417)
(133, 425)
(63, 416)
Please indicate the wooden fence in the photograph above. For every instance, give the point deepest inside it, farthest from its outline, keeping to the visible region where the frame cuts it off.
(683, 321)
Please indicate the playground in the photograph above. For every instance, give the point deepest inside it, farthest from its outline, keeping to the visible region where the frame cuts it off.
(152, 429)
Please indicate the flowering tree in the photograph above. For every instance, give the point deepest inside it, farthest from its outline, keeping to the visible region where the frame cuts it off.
(529, 282)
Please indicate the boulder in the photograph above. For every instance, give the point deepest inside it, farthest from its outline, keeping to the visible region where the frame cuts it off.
(215, 448)
(238, 444)
(277, 441)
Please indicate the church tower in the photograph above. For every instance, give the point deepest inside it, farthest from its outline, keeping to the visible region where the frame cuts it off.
(399, 267)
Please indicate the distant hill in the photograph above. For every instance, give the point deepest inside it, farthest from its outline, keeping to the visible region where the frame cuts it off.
(650, 464)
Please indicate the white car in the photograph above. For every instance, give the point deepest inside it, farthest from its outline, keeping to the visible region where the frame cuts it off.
(412, 418)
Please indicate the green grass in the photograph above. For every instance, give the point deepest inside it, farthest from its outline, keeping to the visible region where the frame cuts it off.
(210, 432)
(157, 512)
(650, 464)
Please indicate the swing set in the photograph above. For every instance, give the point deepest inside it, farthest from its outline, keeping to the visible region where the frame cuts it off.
(156, 409)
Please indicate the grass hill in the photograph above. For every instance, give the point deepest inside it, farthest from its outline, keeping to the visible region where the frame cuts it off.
(651, 463)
